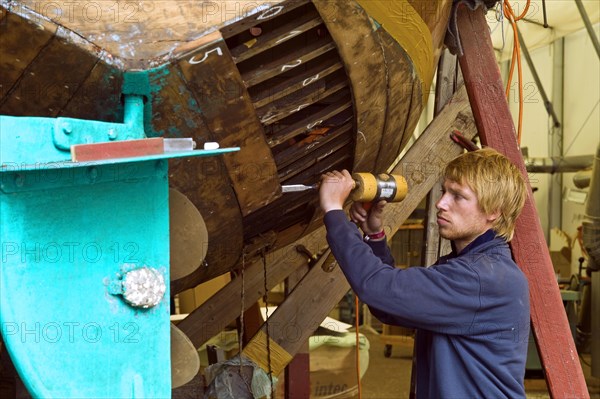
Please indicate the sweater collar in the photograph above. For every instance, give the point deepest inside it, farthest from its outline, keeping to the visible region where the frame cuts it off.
(488, 236)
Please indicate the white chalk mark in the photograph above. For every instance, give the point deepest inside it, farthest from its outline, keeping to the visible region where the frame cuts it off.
(194, 61)
(290, 66)
(271, 12)
(288, 36)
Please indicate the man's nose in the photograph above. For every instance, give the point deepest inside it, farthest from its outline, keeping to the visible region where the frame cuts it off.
(441, 203)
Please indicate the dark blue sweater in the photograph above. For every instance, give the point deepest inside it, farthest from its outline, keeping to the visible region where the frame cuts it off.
(471, 311)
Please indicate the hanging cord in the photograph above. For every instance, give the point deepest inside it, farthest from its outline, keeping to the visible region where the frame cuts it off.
(241, 328)
(516, 55)
(356, 304)
(265, 300)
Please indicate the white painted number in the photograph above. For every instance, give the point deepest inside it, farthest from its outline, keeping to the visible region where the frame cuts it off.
(314, 124)
(308, 81)
(271, 12)
(288, 36)
(290, 66)
(194, 61)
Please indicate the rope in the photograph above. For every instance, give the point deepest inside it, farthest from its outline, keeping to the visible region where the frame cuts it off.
(242, 310)
(356, 304)
(265, 300)
(516, 55)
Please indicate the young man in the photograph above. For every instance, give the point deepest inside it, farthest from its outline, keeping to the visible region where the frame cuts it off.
(470, 309)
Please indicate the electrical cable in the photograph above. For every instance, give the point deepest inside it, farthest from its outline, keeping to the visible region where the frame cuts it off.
(513, 19)
(356, 322)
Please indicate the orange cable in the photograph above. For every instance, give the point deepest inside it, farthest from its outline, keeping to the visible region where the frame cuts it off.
(356, 304)
(509, 14)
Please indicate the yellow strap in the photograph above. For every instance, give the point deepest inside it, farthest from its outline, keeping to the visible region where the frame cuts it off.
(407, 27)
(256, 350)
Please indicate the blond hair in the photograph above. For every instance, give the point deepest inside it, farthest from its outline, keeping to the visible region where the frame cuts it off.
(497, 182)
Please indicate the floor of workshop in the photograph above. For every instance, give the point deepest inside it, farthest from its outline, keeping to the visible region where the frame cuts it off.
(389, 378)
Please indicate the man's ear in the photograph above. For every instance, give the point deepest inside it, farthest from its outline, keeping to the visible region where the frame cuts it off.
(492, 217)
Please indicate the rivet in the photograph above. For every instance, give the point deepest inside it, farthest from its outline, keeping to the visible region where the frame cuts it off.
(112, 134)
(66, 128)
(93, 173)
(19, 180)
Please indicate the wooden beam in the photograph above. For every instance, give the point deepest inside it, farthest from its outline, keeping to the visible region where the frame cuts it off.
(548, 318)
(222, 308)
(297, 372)
(297, 317)
(424, 163)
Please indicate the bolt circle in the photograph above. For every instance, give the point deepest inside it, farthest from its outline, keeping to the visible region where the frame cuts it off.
(144, 287)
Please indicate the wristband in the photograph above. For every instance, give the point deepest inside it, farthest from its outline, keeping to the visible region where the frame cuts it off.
(376, 236)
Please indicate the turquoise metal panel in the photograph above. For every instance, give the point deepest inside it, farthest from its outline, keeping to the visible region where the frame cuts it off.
(62, 247)
(69, 233)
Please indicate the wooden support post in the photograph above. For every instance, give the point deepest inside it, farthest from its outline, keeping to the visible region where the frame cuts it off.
(424, 163)
(548, 318)
(297, 373)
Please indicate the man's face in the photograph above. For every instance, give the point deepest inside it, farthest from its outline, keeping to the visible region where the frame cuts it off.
(459, 216)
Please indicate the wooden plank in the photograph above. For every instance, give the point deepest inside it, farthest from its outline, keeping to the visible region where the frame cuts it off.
(312, 75)
(293, 154)
(287, 61)
(288, 210)
(204, 180)
(50, 81)
(275, 37)
(140, 33)
(550, 325)
(303, 310)
(445, 88)
(227, 111)
(302, 126)
(403, 98)
(362, 56)
(315, 156)
(222, 308)
(98, 97)
(263, 16)
(297, 373)
(20, 42)
(336, 161)
(285, 107)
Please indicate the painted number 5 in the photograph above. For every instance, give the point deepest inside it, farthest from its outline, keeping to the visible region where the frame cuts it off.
(195, 61)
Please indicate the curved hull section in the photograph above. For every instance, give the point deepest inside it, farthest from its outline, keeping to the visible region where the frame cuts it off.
(301, 86)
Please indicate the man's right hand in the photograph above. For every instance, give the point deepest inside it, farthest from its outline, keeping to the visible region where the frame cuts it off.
(371, 221)
(334, 190)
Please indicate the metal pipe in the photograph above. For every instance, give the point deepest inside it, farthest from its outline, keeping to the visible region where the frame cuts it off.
(538, 82)
(545, 15)
(582, 179)
(588, 26)
(558, 164)
(591, 223)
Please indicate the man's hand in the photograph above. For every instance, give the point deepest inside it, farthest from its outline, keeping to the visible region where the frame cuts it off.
(335, 188)
(371, 221)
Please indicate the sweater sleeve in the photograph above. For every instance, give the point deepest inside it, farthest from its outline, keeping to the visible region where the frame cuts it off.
(443, 299)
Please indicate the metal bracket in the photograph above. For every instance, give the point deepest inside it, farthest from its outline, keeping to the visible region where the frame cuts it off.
(70, 131)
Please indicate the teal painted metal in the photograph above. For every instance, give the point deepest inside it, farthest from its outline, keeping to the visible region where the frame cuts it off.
(69, 232)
